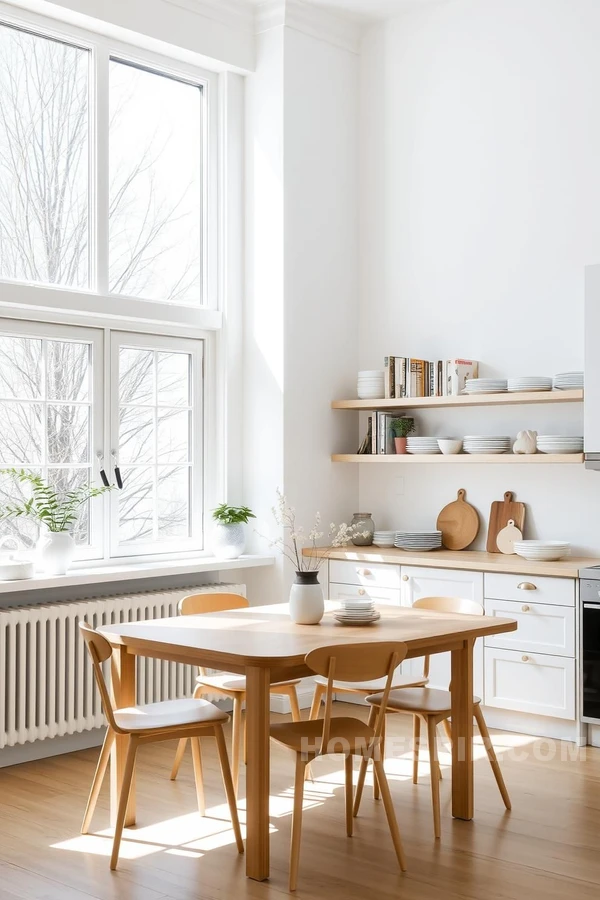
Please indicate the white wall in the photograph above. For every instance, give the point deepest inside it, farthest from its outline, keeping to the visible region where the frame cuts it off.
(479, 202)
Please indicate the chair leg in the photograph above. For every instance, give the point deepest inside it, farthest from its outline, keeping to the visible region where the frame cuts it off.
(295, 708)
(98, 779)
(448, 729)
(434, 774)
(416, 743)
(390, 814)
(360, 783)
(440, 776)
(198, 777)
(483, 730)
(228, 784)
(296, 821)
(348, 791)
(236, 739)
(178, 757)
(123, 799)
(316, 702)
(376, 789)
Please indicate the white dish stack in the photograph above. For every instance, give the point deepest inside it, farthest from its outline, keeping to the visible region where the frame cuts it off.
(384, 538)
(422, 445)
(356, 612)
(371, 384)
(482, 443)
(529, 383)
(567, 381)
(418, 540)
(485, 386)
(542, 550)
(559, 443)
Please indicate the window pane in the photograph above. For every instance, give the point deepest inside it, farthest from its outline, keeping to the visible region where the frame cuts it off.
(43, 160)
(173, 502)
(173, 379)
(23, 530)
(21, 434)
(68, 370)
(136, 375)
(155, 186)
(136, 505)
(68, 434)
(65, 480)
(20, 368)
(173, 436)
(136, 435)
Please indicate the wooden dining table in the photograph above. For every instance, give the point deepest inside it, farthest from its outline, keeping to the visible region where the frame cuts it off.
(263, 644)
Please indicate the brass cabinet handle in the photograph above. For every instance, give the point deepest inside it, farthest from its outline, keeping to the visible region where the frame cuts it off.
(365, 572)
(525, 658)
(525, 608)
(405, 578)
(361, 591)
(526, 586)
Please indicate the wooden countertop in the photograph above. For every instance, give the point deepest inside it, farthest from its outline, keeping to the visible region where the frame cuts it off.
(471, 560)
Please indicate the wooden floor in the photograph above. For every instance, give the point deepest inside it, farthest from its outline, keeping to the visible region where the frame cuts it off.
(548, 847)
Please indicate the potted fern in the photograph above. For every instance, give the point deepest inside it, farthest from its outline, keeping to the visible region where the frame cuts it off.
(55, 512)
(229, 534)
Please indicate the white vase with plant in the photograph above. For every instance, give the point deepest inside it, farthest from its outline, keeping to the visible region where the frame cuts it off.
(229, 532)
(306, 594)
(55, 512)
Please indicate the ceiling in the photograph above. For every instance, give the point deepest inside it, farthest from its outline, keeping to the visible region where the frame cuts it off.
(362, 10)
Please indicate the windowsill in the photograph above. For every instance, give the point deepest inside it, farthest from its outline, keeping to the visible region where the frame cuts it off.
(124, 572)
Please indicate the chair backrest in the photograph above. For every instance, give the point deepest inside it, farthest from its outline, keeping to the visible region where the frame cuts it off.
(100, 650)
(355, 662)
(197, 604)
(459, 605)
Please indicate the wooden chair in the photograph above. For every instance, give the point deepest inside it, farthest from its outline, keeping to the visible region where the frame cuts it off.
(350, 736)
(432, 707)
(148, 723)
(225, 684)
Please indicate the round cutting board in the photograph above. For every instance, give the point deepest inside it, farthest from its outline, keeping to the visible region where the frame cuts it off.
(459, 523)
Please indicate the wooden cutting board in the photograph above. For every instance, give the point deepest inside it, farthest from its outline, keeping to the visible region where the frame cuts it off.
(458, 522)
(500, 513)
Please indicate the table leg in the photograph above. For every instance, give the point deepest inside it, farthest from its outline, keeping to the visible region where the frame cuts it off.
(257, 772)
(462, 731)
(123, 694)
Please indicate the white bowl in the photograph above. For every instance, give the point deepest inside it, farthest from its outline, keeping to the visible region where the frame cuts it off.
(450, 446)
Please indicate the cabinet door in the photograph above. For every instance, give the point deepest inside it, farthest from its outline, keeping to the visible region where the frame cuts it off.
(543, 627)
(530, 682)
(352, 592)
(416, 583)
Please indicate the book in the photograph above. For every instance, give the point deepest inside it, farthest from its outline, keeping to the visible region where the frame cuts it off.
(400, 377)
(374, 432)
(459, 370)
(389, 379)
(365, 446)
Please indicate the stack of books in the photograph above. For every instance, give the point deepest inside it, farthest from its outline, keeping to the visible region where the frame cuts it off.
(406, 378)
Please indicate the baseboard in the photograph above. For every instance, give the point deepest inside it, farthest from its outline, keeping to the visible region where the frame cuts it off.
(68, 743)
(280, 703)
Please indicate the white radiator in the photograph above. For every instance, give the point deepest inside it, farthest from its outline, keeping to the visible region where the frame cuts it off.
(47, 687)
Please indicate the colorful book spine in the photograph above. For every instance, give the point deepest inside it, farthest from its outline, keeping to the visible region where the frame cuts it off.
(389, 380)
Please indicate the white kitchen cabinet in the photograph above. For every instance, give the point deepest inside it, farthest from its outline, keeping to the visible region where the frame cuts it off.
(381, 575)
(418, 582)
(543, 627)
(533, 683)
(354, 592)
(530, 588)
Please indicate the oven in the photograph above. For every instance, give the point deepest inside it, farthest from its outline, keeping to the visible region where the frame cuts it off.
(590, 647)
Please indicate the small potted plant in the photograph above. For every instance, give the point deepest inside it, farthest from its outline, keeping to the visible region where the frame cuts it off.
(402, 427)
(229, 534)
(56, 512)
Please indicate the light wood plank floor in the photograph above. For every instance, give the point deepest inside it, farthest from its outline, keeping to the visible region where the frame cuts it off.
(547, 848)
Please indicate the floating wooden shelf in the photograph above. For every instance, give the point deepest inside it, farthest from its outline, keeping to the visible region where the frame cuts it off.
(504, 399)
(461, 458)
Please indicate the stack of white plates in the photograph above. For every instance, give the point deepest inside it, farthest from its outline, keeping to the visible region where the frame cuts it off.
(422, 445)
(418, 540)
(384, 538)
(530, 383)
(567, 381)
(483, 443)
(559, 443)
(371, 384)
(356, 612)
(542, 550)
(485, 385)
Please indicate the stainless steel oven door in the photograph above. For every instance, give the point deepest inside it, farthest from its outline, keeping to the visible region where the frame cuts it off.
(590, 662)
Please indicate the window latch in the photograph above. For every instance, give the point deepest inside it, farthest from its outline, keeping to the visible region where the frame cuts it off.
(103, 477)
(118, 478)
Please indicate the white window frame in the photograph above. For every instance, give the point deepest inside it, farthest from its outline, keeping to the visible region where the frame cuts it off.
(195, 349)
(94, 337)
(96, 299)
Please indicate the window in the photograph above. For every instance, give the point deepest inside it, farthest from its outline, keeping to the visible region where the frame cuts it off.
(103, 175)
(108, 216)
